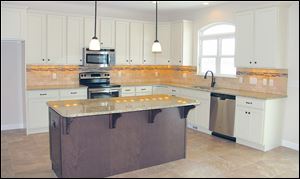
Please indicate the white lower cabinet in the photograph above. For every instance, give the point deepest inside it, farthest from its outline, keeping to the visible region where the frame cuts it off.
(37, 117)
(198, 117)
(37, 109)
(258, 122)
(136, 91)
(161, 89)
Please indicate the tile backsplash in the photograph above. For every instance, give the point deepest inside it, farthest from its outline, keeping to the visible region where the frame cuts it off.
(267, 80)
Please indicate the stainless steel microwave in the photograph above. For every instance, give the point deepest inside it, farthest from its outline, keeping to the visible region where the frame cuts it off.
(99, 58)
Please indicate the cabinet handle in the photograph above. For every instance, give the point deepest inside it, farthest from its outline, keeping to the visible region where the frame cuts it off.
(127, 90)
(250, 62)
(245, 112)
(101, 43)
(143, 89)
(248, 102)
(173, 90)
(73, 92)
(80, 60)
(43, 94)
(255, 62)
(48, 59)
(130, 60)
(248, 112)
(168, 61)
(43, 59)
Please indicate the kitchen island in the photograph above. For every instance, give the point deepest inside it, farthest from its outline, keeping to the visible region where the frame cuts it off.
(105, 137)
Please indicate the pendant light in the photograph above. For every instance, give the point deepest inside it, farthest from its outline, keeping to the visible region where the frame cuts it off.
(156, 47)
(94, 43)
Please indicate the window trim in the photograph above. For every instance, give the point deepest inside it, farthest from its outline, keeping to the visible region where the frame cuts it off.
(218, 57)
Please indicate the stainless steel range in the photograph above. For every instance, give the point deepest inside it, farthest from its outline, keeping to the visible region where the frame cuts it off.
(99, 85)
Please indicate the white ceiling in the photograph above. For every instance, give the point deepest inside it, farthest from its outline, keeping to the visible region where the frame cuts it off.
(122, 9)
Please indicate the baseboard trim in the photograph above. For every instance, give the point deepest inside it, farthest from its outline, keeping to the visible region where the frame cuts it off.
(11, 126)
(290, 145)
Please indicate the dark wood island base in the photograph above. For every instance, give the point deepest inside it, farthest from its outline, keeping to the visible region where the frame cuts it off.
(110, 144)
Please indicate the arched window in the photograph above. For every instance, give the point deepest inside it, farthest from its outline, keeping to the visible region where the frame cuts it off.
(216, 49)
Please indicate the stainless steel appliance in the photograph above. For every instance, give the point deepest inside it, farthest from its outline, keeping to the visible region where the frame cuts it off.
(99, 85)
(99, 58)
(222, 114)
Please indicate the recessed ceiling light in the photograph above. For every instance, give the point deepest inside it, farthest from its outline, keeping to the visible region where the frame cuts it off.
(205, 3)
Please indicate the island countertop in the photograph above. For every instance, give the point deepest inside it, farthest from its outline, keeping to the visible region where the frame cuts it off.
(91, 107)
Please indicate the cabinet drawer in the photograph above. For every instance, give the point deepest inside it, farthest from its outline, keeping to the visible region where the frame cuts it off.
(128, 89)
(73, 92)
(142, 89)
(40, 94)
(250, 102)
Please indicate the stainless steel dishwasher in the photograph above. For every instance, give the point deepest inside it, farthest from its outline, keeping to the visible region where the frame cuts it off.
(222, 114)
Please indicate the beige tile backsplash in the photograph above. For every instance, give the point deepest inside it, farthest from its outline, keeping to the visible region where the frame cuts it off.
(68, 75)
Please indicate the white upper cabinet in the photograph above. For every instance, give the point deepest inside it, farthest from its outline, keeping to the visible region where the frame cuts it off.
(122, 43)
(46, 39)
(260, 38)
(56, 39)
(36, 39)
(181, 43)
(74, 40)
(164, 37)
(13, 23)
(149, 37)
(107, 33)
(136, 43)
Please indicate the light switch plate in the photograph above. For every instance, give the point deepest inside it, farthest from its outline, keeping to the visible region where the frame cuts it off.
(265, 82)
(241, 79)
(156, 74)
(271, 82)
(54, 76)
(184, 75)
(253, 80)
(119, 74)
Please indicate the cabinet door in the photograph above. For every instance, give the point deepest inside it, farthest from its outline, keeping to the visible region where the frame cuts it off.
(56, 39)
(149, 37)
(136, 43)
(13, 23)
(38, 116)
(244, 37)
(164, 35)
(161, 90)
(74, 40)
(242, 123)
(122, 43)
(266, 38)
(107, 31)
(256, 118)
(36, 39)
(202, 113)
(176, 43)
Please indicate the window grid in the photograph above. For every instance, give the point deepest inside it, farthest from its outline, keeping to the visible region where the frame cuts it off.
(218, 56)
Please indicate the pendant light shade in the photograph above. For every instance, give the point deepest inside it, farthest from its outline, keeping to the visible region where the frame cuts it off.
(94, 43)
(156, 47)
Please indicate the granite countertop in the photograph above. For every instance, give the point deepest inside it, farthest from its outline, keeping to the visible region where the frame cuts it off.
(48, 87)
(91, 107)
(235, 92)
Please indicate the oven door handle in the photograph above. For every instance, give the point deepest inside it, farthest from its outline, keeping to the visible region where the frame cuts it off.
(97, 91)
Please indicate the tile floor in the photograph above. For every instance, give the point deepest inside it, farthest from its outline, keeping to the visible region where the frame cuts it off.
(207, 156)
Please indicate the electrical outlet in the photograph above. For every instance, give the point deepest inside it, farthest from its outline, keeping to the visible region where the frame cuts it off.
(184, 75)
(265, 82)
(241, 80)
(156, 74)
(271, 82)
(253, 80)
(54, 76)
(119, 74)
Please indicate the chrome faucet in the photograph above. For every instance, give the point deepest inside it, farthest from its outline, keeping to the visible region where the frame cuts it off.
(213, 79)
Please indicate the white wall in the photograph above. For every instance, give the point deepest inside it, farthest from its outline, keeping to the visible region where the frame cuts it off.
(291, 118)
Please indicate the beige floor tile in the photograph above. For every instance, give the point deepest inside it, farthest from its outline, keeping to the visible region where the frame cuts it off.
(207, 156)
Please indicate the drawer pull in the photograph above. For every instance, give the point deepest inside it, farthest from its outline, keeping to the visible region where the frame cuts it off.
(73, 92)
(143, 89)
(43, 94)
(248, 102)
(127, 90)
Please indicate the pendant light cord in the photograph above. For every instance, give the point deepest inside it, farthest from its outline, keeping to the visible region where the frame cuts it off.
(156, 22)
(95, 18)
